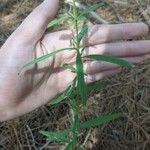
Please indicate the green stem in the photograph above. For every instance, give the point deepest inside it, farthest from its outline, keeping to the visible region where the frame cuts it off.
(75, 120)
(75, 12)
(74, 106)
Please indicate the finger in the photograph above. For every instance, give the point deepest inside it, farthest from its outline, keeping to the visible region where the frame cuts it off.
(93, 67)
(122, 49)
(35, 24)
(107, 33)
(99, 76)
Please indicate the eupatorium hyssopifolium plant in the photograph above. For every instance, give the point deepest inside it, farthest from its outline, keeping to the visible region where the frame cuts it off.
(76, 94)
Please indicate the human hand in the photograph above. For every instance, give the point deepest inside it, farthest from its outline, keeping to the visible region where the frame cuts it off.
(35, 86)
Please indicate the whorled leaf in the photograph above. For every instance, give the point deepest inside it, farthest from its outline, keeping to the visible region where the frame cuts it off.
(69, 146)
(100, 120)
(89, 9)
(95, 86)
(81, 86)
(82, 33)
(80, 148)
(45, 57)
(67, 93)
(57, 21)
(60, 97)
(69, 66)
(75, 119)
(61, 136)
(111, 59)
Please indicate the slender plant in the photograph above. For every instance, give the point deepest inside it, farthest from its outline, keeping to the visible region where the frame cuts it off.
(76, 95)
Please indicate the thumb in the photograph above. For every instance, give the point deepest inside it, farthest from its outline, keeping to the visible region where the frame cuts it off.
(34, 26)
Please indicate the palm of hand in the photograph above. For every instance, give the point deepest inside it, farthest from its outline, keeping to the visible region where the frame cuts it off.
(40, 82)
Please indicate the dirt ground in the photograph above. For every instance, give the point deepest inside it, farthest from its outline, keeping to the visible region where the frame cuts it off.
(128, 92)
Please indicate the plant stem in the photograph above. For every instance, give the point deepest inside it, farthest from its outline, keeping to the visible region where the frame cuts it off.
(75, 120)
(73, 103)
(75, 12)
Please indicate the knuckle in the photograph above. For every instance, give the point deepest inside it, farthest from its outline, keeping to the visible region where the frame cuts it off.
(145, 27)
(124, 31)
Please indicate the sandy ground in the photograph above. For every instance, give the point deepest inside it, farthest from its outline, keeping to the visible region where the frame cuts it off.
(128, 92)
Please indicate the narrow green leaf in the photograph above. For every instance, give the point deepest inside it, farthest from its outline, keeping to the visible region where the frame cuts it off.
(57, 21)
(69, 146)
(80, 80)
(80, 148)
(92, 8)
(82, 33)
(82, 18)
(75, 128)
(95, 86)
(100, 120)
(61, 136)
(60, 97)
(69, 66)
(111, 59)
(45, 57)
(75, 119)
(67, 93)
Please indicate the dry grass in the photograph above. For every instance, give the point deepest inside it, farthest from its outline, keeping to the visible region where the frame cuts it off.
(128, 92)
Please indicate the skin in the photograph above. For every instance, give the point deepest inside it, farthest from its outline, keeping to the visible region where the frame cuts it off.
(36, 85)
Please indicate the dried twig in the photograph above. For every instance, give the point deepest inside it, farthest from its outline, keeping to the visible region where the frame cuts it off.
(16, 133)
(87, 137)
(45, 145)
(33, 140)
(93, 14)
(144, 13)
(28, 142)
